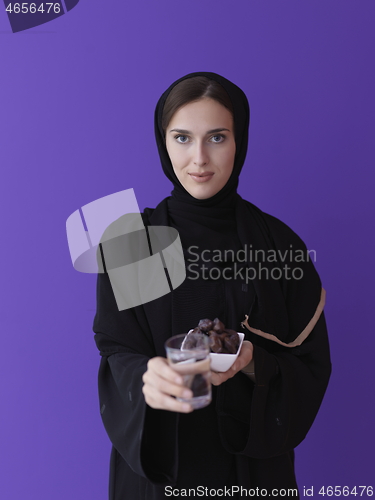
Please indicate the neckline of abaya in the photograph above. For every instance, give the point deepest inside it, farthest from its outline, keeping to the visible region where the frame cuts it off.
(227, 202)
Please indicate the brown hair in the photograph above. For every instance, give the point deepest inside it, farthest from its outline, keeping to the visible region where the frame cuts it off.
(190, 90)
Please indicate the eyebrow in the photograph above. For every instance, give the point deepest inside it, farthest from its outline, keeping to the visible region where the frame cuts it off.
(213, 131)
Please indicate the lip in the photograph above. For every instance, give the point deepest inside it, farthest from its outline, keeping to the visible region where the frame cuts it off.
(201, 177)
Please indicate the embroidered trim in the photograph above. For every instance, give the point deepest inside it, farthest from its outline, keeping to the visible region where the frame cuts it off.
(302, 336)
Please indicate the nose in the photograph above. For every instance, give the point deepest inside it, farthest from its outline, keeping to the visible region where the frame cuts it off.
(201, 157)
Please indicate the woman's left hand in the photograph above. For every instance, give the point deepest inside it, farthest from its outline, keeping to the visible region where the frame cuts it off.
(244, 358)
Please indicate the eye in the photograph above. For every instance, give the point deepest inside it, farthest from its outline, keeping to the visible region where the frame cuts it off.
(184, 138)
(218, 138)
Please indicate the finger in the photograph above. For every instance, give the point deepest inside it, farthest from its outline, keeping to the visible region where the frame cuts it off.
(164, 402)
(218, 378)
(244, 357)
(161, 367)
(171, 404)
(158, 383)
(169, 388)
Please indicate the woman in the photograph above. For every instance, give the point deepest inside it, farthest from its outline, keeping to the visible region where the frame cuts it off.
(242, 267)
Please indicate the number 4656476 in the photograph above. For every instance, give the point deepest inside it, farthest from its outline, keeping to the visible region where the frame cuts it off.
(345, 491)
(25, 8)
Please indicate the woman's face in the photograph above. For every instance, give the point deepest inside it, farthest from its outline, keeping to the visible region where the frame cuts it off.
(201, 145)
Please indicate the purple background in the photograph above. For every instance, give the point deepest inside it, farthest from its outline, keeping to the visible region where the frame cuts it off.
(77, 101)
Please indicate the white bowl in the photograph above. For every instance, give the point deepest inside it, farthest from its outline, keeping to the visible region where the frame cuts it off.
(222, 362)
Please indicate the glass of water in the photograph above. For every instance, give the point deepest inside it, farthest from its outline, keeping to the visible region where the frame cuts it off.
(192, 362)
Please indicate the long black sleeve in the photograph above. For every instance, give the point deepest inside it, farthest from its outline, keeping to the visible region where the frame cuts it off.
(139, 433)
(275, 415)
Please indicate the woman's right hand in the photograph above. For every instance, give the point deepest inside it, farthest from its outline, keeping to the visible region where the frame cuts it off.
(161, 383)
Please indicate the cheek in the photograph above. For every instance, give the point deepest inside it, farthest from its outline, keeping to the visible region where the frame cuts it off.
(175, 156)
(228, 161)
